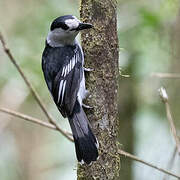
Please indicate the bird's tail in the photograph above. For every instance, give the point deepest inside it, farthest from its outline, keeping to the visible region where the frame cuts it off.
(85, 142)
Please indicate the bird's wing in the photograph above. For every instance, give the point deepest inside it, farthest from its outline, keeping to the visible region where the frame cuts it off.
(66, 84)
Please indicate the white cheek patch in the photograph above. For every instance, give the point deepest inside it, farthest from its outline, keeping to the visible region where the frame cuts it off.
(72, 23)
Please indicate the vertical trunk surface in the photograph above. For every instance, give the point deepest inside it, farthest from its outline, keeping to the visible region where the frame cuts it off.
(100, 46)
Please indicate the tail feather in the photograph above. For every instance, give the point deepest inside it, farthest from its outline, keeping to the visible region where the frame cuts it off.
(85, 142)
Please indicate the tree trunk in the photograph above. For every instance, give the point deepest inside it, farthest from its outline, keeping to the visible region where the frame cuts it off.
(100, 46)
(175, 68)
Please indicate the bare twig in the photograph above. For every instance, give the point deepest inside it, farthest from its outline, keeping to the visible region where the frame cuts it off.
(165, 75)
(171, 161)
(29, 85)
(164, 97)
(53, 125)
(48, 125)
(31, 119)
(126, 154)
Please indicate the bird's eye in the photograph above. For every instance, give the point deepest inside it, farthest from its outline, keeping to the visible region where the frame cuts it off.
(64, 26)
(61, 25)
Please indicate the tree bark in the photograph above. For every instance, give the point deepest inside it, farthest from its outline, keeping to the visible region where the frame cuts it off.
(100, 46)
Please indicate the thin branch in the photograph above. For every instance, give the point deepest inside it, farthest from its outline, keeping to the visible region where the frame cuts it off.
(165, 75)
(50, 126)
(171, 161)
(31, 119)
(173, 128)
(53, 124)
(29, 85)
(126, 154)
(164, 97)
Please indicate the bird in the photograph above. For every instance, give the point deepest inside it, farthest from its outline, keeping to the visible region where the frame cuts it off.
(63, 69)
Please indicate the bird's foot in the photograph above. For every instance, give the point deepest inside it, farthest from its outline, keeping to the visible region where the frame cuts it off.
(86, 106)
(87, 94)
(88, 69)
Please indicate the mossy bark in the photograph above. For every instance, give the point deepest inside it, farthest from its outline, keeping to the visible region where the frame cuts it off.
(100, 46)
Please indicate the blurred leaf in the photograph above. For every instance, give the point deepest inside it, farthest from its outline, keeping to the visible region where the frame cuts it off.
(149, 18)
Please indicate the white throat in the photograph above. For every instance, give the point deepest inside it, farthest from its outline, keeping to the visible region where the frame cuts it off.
(60, 38)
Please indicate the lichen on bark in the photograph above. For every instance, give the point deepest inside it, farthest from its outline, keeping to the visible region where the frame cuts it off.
(100, 46)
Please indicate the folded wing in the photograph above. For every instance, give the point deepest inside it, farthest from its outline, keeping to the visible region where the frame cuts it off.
(66, 84)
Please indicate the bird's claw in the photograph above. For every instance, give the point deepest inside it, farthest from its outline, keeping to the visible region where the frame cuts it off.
(87, 94)
(86, 106)
(88, 69)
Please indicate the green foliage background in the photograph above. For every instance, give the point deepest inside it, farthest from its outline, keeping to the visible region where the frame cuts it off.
(148, 43)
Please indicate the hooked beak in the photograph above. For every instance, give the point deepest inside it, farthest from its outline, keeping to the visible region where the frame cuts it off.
(84, 26)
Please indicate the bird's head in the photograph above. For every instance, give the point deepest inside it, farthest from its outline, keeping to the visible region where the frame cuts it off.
(64, 29)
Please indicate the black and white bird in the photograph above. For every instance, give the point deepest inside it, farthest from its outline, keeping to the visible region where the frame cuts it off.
(62, 64)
